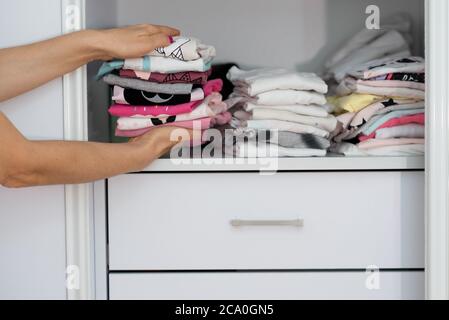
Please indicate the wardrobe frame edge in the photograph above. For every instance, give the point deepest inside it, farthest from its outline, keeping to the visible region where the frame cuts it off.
(437, 149)
(78, 198)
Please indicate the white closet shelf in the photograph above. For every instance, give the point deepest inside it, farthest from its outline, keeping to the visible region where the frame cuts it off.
(329, 163)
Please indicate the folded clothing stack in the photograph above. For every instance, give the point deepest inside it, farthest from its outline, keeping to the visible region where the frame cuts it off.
(167, 87)
(380, 102)
(391, 41)
(279, 113)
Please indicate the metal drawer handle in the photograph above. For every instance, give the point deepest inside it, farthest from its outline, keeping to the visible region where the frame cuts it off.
(272, 223)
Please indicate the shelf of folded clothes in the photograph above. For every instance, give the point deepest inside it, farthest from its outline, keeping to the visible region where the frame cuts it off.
(281, 122)
(370, 103)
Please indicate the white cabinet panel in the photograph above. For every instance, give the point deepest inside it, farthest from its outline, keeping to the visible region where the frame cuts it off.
(269, 286)
(37, 114)
(183, 221)
(32, 236)
(32, 243)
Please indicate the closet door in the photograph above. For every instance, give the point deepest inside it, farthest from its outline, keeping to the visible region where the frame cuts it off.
(32, 237)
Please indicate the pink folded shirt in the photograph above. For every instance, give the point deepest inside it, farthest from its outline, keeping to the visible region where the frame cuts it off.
(196, 140)
(379, 143)
(415, 118)
(199, 124)
(123, 110)
(210, 107)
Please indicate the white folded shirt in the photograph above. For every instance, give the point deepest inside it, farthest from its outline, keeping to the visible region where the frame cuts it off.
(285, 126)
(308, 110)
(400, 22)
(349, 149)
(257, 81)
(185, 49)
(166, 65)
(252, 149)
(350, 85)
(391, 43)
(328, 123)
(289, 97)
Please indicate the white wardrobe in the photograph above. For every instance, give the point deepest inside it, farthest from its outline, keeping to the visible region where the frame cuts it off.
(173, 230)
(338, 228)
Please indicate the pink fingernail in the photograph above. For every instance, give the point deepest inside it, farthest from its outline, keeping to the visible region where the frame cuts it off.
(170, 38)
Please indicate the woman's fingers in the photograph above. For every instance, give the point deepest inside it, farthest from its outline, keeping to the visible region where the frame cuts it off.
(149, 43)
(160, 40)
(169, 31)
(154, 29)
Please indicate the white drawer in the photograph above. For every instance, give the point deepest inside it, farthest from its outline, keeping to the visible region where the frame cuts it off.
(269, 286)
(182, 221)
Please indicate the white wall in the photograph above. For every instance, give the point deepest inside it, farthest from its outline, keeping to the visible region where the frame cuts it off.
(32, 223)
(289, 33)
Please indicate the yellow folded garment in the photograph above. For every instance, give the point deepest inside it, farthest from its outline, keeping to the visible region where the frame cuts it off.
(354, 102)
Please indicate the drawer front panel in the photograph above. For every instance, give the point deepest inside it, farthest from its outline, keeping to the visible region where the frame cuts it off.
(219, 221)
(269, 286)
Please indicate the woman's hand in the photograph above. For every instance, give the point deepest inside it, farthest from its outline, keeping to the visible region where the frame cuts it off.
(159, 141)
(130, 42)
(31, 163)
(52, 58)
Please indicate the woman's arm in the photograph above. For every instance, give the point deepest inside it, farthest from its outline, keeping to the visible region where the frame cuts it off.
(29, 163)
(27, 67)
(26, 163)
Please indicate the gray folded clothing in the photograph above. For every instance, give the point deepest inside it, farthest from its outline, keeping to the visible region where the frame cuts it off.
(289, 139)
(286, 139)
(130, 83)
